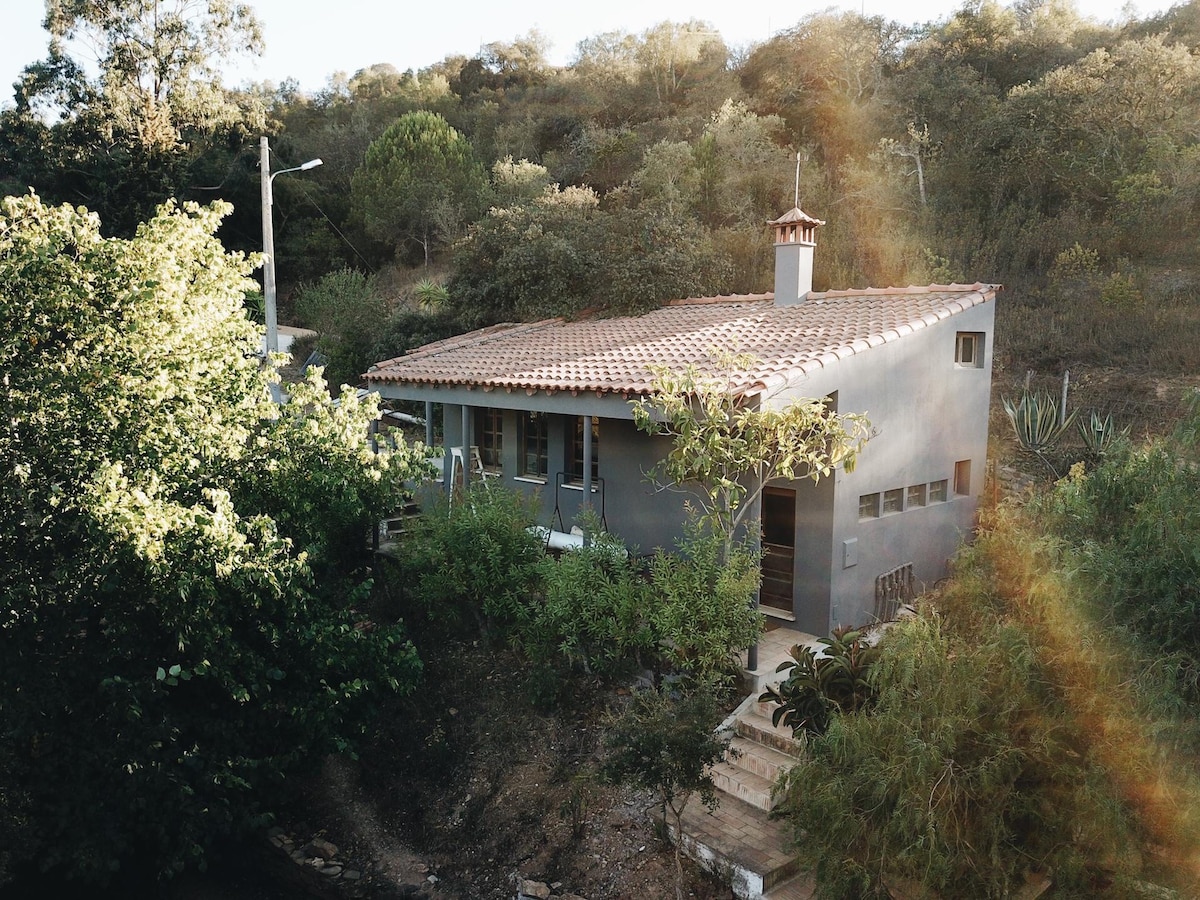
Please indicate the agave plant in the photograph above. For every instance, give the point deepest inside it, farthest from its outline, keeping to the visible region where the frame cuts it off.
(839, 677)
(1099, 433)
(1037, 423)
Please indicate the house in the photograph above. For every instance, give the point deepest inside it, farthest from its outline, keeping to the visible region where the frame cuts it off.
(547, 405)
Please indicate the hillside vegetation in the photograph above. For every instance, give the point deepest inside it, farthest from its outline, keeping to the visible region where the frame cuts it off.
(1027, 145)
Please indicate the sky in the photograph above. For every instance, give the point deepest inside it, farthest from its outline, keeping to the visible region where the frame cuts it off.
(309, 41)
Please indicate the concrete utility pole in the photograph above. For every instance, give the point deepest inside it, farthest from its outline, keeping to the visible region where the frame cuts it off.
(268, 228)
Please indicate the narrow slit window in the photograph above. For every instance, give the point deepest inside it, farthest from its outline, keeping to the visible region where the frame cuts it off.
(893, 501)
(868, 506)
(937, 491)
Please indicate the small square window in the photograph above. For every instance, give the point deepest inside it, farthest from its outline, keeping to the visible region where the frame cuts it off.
(937, 491)
(868, 506)
(916, 495)
(968, 350)
(962, 478)
(893, 501)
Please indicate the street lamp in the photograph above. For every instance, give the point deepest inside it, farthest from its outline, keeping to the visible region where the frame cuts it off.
(267, 177)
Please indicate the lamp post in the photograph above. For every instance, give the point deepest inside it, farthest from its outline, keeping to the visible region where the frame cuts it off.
(267, 177)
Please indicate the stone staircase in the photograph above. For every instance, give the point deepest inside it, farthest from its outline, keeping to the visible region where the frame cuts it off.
(739, 840)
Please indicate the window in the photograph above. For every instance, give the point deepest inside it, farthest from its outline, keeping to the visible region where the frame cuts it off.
(893, 501)
(937, 491)
(916, 495)
(868, 506)
(534, 429)
(962, 478)
(491, 437)
(968, 350)
(577, 450)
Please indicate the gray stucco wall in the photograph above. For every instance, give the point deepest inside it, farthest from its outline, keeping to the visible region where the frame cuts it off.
(643, 517)
(927, 414)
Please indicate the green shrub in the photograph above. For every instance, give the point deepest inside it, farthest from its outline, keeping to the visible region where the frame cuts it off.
(703, 610)
(1134, 527)
(841, 678)
(594, 611)
(962, 776)
(473, 557)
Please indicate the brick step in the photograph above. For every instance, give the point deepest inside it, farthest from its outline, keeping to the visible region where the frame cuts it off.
(742, 843)
(744, 785)
(763, 761)
(799, 887)
(757, 727)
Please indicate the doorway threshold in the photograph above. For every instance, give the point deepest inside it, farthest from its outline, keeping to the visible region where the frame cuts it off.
(775, 613)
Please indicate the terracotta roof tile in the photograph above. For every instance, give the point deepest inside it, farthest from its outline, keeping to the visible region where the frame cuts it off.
(614, 355)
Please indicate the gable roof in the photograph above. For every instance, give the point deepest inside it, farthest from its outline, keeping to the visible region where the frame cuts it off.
(614, 355)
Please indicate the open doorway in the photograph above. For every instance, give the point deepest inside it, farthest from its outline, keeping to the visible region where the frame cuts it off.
(779, 549)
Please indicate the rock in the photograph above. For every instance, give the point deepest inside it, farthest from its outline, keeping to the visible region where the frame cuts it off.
(332, 871)
(410, 890)
(320, 847)
(275, 832)
(432, 879)
(534, 890)
(297, 856)
(352, 874)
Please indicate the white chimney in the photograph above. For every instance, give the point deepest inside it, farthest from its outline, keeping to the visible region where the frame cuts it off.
(795, 243)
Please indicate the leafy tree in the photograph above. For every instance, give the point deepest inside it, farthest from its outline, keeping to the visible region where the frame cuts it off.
(345, 310)
(729, 447)
(408, 329)
(518, 181)
(420, 182)
(178, 621)
(528, 260)
(666, 742)
(562, 254)
(673, 56)
(126, 139)
(157, 60)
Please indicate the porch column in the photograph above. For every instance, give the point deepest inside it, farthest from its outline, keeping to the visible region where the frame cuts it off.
(587, 468)
(466, 445)
(428, 423)
(447, 459)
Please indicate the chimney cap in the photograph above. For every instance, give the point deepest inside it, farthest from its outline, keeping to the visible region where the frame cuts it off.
(794, 215)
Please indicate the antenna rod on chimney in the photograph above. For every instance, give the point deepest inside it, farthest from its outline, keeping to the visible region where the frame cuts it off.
(798, 157)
